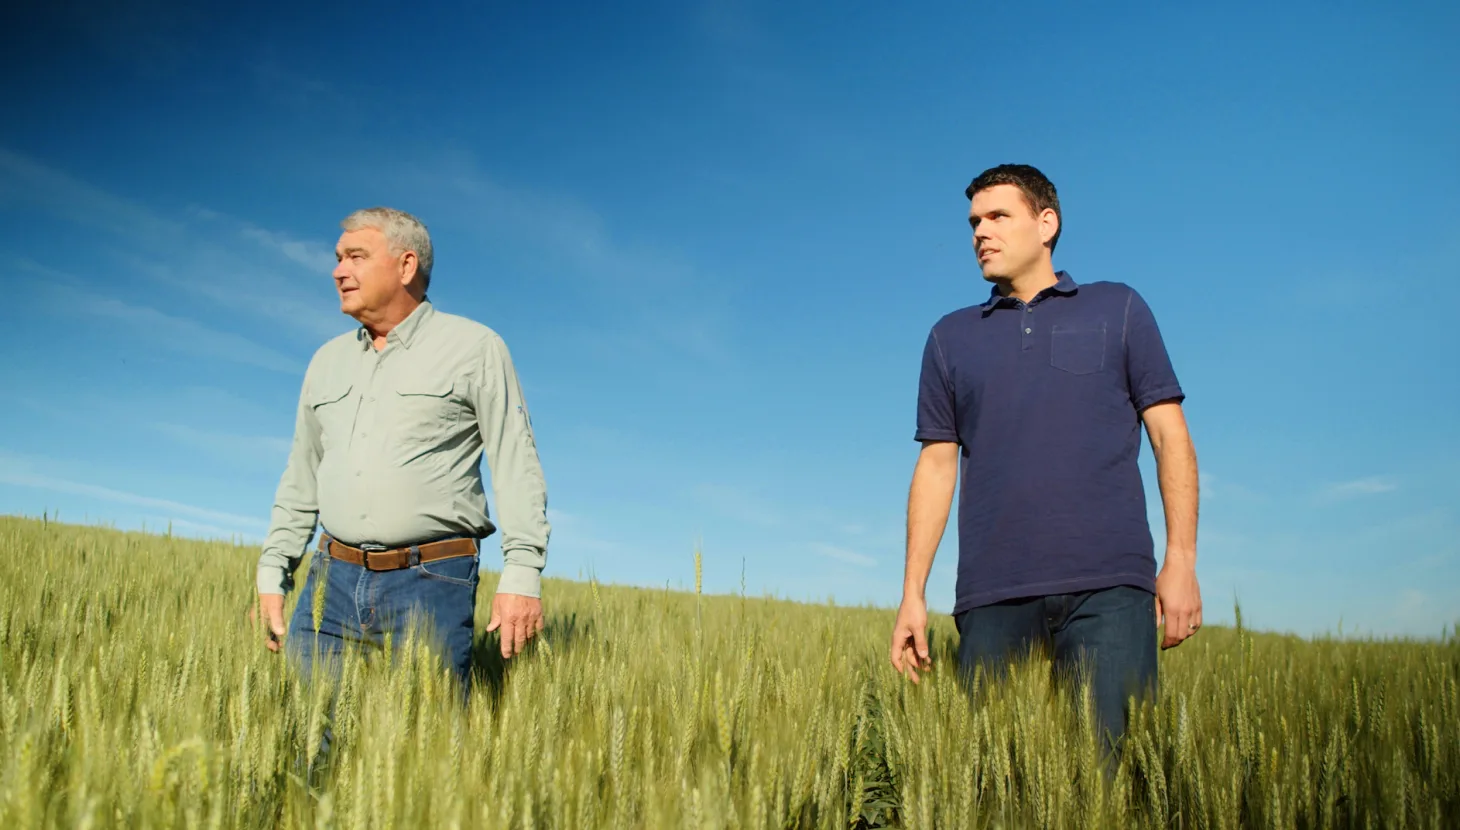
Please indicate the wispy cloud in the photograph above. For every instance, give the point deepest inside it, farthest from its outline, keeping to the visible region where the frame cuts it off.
(841, 554)
(1435, 560)
(226, 443)
(1415, 610)
(572, 533)
(317, 257)
(659, 296)
(230, 262)
(293, 90)
(26, 183)
(1220, 487)
(177, 333)
(187, 527)
(1358, 488)
(244, 289)
(309, 254)
(18, 476)
(740, 505)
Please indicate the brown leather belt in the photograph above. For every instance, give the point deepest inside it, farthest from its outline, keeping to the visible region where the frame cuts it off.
(390, 559)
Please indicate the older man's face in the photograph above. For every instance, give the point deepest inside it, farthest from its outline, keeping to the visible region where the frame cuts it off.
(368, 276)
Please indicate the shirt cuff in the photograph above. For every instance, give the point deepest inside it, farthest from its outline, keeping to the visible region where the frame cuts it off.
(935, 435)
(520, 579)
(271, 580)
(1165, 393)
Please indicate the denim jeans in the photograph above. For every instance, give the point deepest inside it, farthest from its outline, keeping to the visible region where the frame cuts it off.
(361, 606)
(1108, 635)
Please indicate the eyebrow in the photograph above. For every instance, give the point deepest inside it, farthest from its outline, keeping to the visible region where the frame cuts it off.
(349, 251)
(974, 220)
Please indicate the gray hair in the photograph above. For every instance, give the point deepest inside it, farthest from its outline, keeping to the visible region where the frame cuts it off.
(403, 232)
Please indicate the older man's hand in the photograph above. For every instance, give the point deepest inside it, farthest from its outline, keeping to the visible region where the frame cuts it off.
(273, 607)
(519, 618)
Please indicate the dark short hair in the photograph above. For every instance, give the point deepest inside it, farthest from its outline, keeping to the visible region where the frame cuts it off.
(1039, 192)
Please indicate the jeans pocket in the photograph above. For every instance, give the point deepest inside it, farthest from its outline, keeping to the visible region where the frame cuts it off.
(1077, 350)
(458, 570)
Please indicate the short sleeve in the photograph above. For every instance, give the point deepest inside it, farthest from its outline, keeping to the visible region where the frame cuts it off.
(936, 411)
(1148, 367)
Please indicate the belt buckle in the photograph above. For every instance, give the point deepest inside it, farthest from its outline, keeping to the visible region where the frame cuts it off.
(367, 549)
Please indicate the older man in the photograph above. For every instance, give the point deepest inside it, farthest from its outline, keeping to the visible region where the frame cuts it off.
(392, 423)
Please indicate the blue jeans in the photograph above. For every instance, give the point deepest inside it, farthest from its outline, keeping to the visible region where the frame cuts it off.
(1107, 637)
(361, 606)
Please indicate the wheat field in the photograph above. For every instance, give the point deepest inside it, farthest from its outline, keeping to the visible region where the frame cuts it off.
(134, 692)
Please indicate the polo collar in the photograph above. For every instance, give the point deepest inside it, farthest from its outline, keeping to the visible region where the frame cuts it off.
(405, 332)
(1065, 285)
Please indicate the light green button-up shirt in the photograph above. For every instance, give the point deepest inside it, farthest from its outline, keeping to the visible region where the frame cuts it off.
(388, 444)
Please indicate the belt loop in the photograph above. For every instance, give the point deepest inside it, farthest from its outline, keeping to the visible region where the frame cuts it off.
(414, 558)
(324, 542)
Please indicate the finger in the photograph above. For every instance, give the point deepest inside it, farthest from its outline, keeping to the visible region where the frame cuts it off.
(1170, 638)
(539, 626)
(519, 636)
(1158, 611)
(910, 660)
(1178, 628)
(506, 639)
(920, 642)
(495, 622)
(899, 642)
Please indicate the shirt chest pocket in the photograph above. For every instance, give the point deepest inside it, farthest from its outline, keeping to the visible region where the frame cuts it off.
(426, 412)
(334, 410)
(1078, 349)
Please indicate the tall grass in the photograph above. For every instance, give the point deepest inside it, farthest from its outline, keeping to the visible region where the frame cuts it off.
(133, 692)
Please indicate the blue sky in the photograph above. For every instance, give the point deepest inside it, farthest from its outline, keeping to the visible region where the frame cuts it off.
(715, 235)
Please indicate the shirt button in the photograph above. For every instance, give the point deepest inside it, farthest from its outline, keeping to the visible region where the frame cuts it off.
(1029, 331)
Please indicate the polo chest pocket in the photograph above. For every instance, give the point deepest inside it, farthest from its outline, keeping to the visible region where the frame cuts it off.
(426, 410)
(1078, 349)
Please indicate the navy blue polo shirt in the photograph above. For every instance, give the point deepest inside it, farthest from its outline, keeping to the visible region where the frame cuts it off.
(1044, 400)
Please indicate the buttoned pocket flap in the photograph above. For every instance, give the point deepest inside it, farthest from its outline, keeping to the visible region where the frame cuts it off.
(425, 387)
(329, 394)
(425, 409)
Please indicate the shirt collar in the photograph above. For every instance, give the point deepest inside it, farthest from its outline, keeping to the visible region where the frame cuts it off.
(407, 330)
(1065, 285)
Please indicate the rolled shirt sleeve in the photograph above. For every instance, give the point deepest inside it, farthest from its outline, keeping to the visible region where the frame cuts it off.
(1148, 366)
(296, 509)
(517, 478)
(936, 419)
